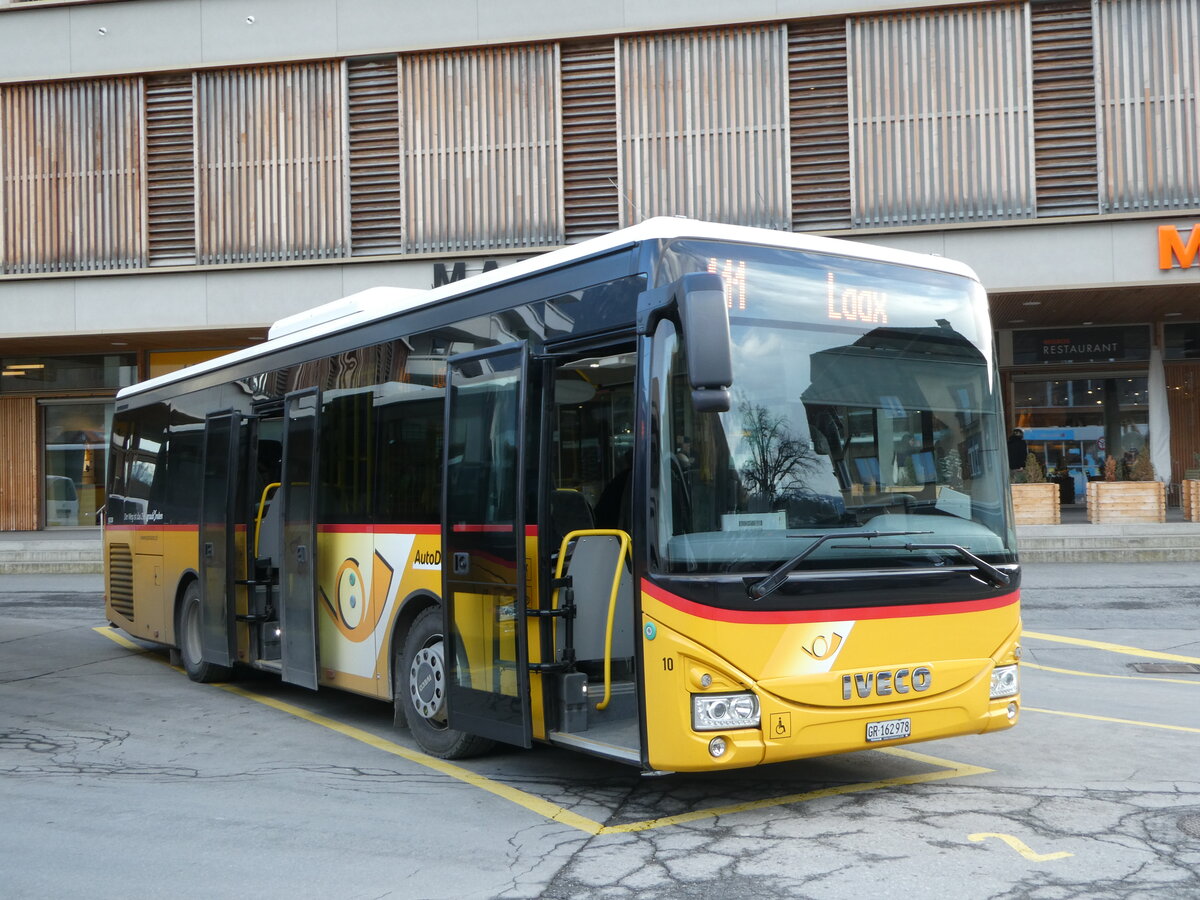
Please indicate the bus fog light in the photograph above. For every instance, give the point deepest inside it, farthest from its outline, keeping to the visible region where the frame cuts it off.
(716, 747)
(1005, 682)
(720, 712)
(1012, 710)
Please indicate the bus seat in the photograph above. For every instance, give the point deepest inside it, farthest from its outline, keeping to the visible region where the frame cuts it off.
(270, 530)
(593, 561)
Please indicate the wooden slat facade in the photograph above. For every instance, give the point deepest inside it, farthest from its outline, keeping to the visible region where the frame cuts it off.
(941, 116)
(704, 126)
(819, 102)
(71, 177)
(481, 149)
(908, 119)
(373, 142)
(1064, 109)
(591, 172)
(1183, 408)
(20, 465)
(171, 170)
(269, 159)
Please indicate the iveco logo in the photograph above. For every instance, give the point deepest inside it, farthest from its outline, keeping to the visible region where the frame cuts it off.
(885, 683)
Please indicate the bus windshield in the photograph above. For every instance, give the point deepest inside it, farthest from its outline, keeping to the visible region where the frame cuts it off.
(864, 400)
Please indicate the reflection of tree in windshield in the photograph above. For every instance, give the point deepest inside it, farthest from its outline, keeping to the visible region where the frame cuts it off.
(778, 460)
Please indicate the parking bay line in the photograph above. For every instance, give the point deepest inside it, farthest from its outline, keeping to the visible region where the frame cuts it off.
(947, 768)
(1111, 648)
(1075, 715)
(1138, 678)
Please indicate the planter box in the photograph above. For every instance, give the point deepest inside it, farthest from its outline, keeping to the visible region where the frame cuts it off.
(1190, 497)
(1126, 501)
(1035, 504)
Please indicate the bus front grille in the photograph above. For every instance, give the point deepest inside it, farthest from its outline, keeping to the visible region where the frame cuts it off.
(120, 579)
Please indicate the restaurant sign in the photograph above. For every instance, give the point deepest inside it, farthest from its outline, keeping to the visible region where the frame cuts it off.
(1062, 345)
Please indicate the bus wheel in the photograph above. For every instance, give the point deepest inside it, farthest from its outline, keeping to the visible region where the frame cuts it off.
(422, 692)
(187, 635)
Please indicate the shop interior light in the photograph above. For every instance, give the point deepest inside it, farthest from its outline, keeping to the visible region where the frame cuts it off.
(26, 366)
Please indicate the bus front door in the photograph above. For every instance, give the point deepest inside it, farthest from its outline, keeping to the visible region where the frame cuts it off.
(297, 563)
(483, 553)
(218, 528)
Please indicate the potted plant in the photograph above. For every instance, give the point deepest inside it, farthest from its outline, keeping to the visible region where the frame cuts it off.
(1035, 500)
(1190, 491)
(1139, 499)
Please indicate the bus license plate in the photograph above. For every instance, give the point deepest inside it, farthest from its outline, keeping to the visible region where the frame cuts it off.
(889, 730)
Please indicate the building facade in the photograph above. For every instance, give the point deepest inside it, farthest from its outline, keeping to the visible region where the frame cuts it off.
(177, 174)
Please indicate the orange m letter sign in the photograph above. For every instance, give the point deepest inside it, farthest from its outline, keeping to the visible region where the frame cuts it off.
(1170, 244)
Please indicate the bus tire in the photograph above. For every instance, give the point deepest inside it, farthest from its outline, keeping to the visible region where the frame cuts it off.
(187, 635)
(421, 696)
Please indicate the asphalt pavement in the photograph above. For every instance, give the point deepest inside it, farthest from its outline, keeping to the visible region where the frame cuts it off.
(119, 776)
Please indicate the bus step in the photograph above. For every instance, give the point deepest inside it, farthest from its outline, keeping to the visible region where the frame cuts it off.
(624, 745)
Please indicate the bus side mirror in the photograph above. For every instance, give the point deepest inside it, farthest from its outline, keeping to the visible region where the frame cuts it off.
(704, 319)
(699, 299)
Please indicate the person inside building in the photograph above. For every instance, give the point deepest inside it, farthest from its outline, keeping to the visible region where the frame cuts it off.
(1018, 449)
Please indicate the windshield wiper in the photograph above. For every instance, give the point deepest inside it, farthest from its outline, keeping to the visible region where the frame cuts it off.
(993, 575)
(775, 580)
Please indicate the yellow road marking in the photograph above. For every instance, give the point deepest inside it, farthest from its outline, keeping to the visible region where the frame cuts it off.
(1029, 665)
(950, 770)
(1018, 845)
(119, 639)
(1111, 648)
(514, 795)
(535, 804)
(1074, 715)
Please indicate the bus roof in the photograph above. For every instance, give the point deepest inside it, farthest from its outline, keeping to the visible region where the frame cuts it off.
(379, 303)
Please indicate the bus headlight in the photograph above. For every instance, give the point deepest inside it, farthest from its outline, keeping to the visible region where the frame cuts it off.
(1005, 682)
(720, 712)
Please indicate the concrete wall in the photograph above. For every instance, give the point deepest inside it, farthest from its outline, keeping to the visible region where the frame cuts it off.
(87, 39)
(1012, 258)
(226, 298)
(1036, 257)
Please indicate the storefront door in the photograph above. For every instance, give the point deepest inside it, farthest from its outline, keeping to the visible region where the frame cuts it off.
(1073, 423)
(75, 461)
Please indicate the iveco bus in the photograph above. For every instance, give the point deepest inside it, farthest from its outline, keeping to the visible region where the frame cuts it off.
(688, 496)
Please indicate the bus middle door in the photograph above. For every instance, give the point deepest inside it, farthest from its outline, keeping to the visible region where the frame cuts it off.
(297, 563)
(483, 552)
(220, 567)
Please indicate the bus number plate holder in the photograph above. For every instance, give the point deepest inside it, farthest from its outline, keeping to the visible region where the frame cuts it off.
(889, 730)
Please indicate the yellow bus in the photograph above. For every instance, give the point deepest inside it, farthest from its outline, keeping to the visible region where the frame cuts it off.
(687, 496)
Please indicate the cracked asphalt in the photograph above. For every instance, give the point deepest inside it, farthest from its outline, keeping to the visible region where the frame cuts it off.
(119, 776)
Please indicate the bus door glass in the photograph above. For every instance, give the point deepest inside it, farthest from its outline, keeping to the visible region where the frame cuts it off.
(589, 479)
(483, 534)
(218, 555)
(297, 565)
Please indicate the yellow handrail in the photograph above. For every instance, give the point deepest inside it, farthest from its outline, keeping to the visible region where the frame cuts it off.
(612, 598)
(262, 504)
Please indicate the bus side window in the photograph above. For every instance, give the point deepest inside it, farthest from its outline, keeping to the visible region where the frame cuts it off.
(409, 461)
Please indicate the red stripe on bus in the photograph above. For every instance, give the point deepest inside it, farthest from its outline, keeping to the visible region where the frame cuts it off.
(796, 616)
(530, 530)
